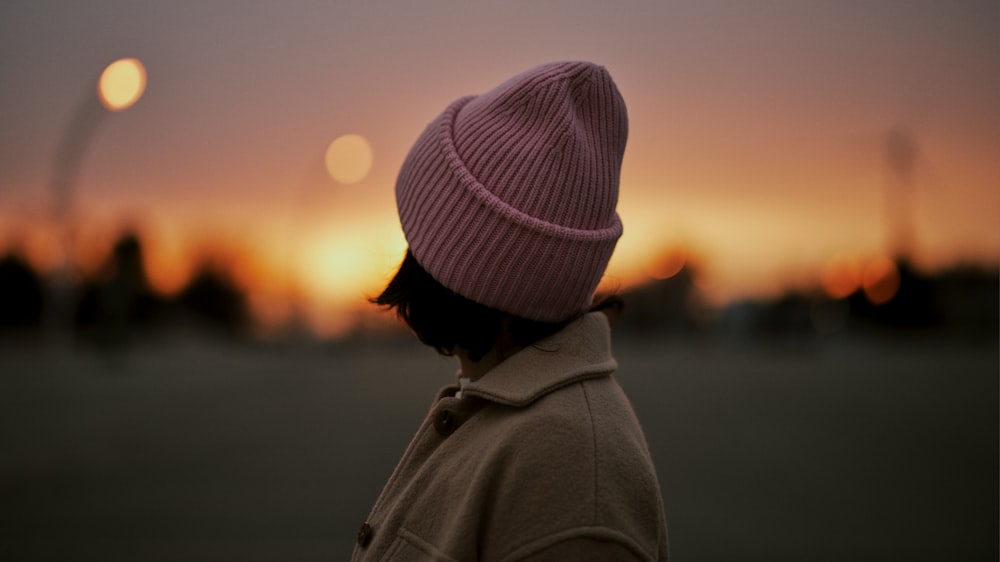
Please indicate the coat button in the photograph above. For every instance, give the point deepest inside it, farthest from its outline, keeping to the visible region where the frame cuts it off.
(365, 534)
(444, 423)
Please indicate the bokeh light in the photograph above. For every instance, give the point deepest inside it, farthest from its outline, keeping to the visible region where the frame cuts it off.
(841, 276)
(669, 263)
(881, 280)
(349, 158)
(122, 84)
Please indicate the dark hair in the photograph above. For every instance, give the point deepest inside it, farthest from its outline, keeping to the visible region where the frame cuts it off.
(446, 320)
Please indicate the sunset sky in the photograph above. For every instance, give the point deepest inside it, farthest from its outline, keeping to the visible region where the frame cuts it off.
(758, 130)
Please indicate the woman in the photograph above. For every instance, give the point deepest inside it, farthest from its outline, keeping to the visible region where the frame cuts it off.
(507, 201)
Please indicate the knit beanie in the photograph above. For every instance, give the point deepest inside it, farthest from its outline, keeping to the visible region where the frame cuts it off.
(508, 198)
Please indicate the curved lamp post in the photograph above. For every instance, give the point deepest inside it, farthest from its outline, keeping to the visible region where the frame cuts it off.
(119, 87)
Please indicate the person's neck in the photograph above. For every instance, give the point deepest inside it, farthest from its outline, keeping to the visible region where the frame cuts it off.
(474, 369)
(503, 349)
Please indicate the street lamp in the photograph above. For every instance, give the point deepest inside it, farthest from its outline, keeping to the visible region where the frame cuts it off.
(119, 87)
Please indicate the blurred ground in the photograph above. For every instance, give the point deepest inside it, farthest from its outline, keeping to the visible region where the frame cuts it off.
(848, 449)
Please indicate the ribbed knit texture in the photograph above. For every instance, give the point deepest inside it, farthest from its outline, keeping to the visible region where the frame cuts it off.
(508, 198)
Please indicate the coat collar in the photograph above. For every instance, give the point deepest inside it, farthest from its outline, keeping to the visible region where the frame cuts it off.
(581, 350)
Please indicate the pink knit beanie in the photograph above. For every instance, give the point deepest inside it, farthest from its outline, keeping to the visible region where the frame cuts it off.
(508, 198)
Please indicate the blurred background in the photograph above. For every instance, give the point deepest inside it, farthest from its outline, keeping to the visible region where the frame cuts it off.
(196, 198)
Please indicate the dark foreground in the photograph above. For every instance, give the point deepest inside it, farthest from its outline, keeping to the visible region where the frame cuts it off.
(849, 450)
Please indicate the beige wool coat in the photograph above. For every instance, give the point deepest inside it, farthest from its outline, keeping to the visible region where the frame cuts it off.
(540, 459)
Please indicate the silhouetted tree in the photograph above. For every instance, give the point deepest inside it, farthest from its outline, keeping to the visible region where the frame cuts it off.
(969, 300)
(215, 302)
(663, 305)
(788, 315)
(914, 306)
(22, 295)
(118, 302)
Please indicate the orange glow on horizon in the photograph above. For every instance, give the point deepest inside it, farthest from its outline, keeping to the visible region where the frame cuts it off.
(43, 250)
(122, 84)
(322, 285)
(168, 272)
(338, 268)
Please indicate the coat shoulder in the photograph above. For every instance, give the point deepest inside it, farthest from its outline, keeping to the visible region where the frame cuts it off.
(575, 459)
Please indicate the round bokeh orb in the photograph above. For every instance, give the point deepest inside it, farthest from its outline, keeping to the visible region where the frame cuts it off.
(122, 84)
(349, 158)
